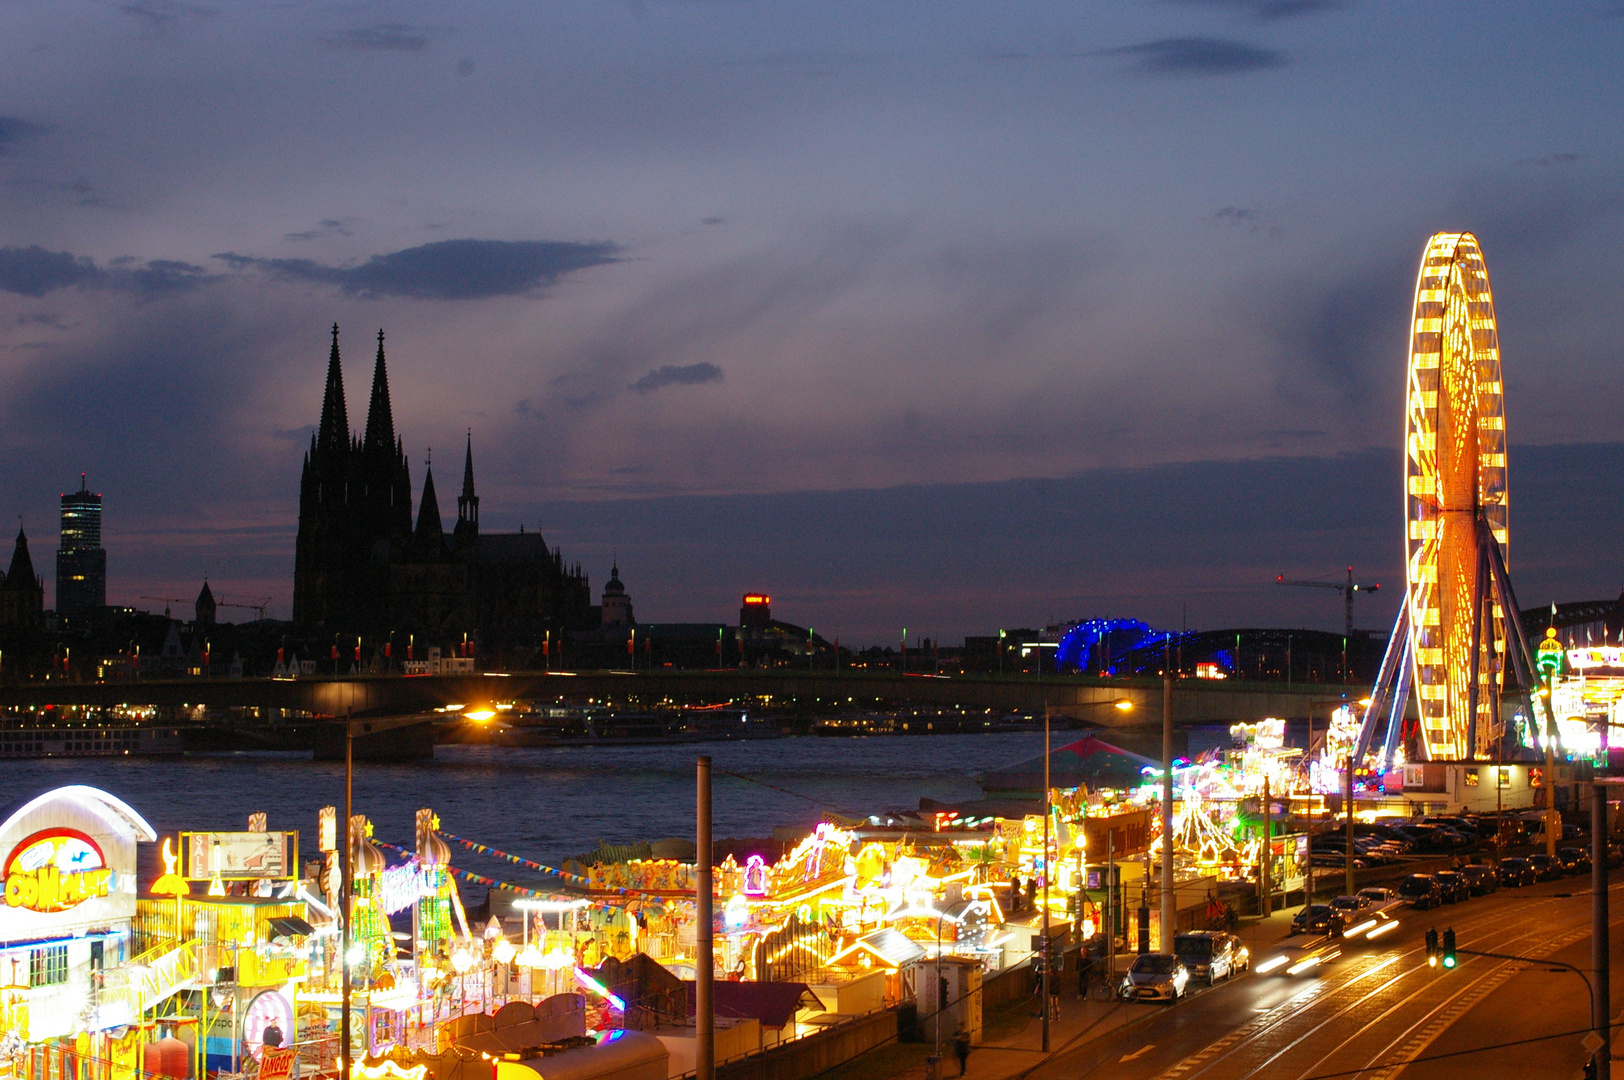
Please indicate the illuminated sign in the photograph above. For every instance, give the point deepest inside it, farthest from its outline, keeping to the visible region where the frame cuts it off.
(757, 598)
(55, 870)
(240, 855)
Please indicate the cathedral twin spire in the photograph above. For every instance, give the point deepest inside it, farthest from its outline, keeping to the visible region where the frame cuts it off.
(334, 431)
(333, 435)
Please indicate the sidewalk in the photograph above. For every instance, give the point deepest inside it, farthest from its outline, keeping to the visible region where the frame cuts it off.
(1012, 1042)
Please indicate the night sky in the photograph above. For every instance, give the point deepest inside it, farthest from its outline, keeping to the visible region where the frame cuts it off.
(928, 314)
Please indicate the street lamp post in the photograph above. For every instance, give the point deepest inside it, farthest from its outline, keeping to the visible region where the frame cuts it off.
(1047, 873)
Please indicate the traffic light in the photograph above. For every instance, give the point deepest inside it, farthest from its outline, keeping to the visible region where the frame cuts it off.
(1432, 948)
(1449, 947)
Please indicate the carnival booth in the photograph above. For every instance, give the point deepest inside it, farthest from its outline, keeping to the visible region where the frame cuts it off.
(69, 865)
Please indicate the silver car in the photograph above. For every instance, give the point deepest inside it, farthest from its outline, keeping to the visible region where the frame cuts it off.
(1154, 977)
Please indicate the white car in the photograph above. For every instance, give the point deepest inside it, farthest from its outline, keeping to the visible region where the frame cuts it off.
(1154, 977)
(1380, 899)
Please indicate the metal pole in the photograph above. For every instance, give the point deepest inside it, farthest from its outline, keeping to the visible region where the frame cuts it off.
(1169, 911)
(1111, 899)
(1347, 800)
(1600, 956)
(704, 946)
(1047, 872)
(344, 894)
(1265, 885)
(1308, 833)
(1553, 819)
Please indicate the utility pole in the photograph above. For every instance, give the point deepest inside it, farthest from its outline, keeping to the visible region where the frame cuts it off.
(1347, 806)
(1169, 908)
(344, 890)
(1600, 956)
(1264, 884)
(704, 946)
(1048, 872)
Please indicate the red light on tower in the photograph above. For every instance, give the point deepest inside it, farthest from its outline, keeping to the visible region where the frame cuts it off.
(755, 610)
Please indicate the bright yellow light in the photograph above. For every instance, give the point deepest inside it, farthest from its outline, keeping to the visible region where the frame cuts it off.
(1270, 964)
(1125, 705)
(387, 1068)
(479, 715)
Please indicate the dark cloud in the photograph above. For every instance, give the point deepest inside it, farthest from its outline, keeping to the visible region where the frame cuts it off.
(1243, 217)
(1199, 56)
(162, 14)
(678, 375)
(713, 220)
(384, 37)
(33, 271)
(445, 269)
(324, 228)
(159, 277)
(1270, 10)
(1552, 159)
(14, 131)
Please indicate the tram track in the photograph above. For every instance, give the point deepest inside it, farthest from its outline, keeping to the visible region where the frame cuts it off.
(1277, 1019)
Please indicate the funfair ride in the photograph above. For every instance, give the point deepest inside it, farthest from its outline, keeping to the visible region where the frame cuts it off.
(1458, 630)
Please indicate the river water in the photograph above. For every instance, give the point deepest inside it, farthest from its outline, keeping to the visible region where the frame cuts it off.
(545, 804)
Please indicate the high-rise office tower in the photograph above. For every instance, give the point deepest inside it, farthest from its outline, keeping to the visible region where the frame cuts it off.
(81, 562)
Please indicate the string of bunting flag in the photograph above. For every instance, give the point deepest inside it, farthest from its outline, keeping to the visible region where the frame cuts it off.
(478, 879)
(486, 849)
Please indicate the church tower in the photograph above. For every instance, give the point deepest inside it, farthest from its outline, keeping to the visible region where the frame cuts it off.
(466, 532)
(355, 498)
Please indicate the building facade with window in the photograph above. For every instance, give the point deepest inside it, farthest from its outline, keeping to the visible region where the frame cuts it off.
(81, 561)
(69, 863)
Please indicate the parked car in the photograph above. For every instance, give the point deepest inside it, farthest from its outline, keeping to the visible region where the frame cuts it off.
(1545, 867)
(1379, 897)
(1453, 885)
(1154, 977)
(1480, 878)
(1574, 860)
(1210, 955)
(1420, 891)
(1515, 872)
(1351, 907)
(1318, 919)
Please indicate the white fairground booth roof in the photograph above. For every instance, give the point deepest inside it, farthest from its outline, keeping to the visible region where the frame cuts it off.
(68, 862)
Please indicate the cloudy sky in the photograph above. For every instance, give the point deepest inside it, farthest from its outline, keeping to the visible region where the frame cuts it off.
(811, 297)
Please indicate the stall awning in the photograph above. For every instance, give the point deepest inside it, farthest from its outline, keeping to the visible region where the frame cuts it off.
(289, 926)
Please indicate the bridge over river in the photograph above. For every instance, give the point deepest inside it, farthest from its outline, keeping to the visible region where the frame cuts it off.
(313, 705)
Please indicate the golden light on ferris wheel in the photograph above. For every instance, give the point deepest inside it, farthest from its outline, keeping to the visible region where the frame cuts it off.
(1455, 475)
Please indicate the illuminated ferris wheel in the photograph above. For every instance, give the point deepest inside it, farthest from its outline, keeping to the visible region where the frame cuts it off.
(1459, 640)
(1455, 500)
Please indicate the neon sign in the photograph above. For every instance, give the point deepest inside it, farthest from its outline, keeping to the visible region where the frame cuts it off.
(55, 870)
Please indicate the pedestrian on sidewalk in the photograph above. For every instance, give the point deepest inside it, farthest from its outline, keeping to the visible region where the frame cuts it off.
(961, 1047)
(1085, 969)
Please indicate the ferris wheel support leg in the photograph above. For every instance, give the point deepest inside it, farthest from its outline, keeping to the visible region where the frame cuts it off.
(1522, 656)
(1387, 680)
(1480, 593)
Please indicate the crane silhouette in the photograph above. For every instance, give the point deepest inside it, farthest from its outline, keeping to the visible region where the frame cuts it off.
(1347, 590)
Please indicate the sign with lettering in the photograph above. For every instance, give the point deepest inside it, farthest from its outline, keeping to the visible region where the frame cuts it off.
(240, 855)
(55, 870)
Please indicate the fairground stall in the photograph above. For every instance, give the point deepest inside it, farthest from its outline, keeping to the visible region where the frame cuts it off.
(70, 899)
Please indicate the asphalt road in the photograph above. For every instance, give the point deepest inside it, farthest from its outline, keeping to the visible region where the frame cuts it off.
(1380, 1012)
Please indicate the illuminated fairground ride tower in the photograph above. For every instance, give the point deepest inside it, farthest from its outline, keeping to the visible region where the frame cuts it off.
(1458, 632)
